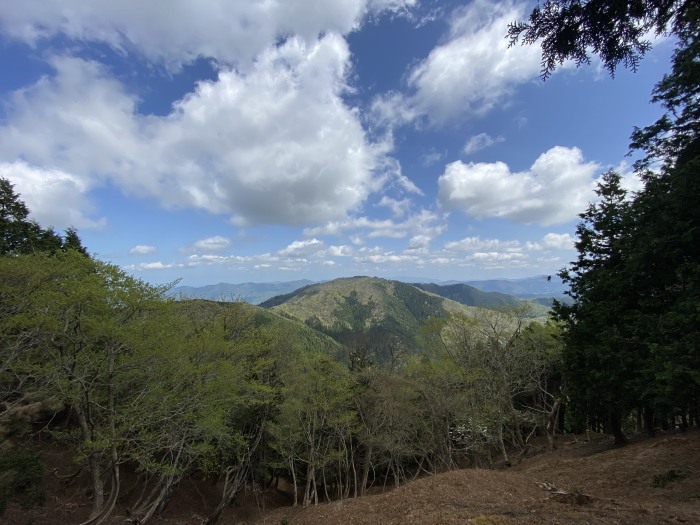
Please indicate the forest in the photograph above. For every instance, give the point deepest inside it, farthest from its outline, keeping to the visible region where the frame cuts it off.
(136, 381)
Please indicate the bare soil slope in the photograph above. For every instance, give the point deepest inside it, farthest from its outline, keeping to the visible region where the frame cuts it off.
(650, 481)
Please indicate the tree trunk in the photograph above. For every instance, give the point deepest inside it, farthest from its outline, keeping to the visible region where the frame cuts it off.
(551, 428)
(296, 484)
(365, 468)
(232, 483)
(616, 428)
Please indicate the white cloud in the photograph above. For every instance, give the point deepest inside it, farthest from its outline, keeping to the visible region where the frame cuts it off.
(554, 241)
(54, 197)
(554, 190)
(479, 142)
(475, 69)
(424, 222)
(157, 265)
(388, 257)
(477, 244)
(340, 251)
(179, 31)
(469, 74)
(298, 248)
(142, 249)
(431, 157)
(398, 208)
(212, 244)
(280, 130)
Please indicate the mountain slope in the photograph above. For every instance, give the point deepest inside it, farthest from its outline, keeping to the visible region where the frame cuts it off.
(471, 296)
(365, 311)
(290, 333)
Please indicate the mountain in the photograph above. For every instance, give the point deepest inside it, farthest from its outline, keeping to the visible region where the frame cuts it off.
(471, 296)
(366, 314)
(292, 334)
(323, 302)
(254, 293)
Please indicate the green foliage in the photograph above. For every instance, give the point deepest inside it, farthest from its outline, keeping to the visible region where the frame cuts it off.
(21, 473)
(660, 481)
(599, 357)
(615, 31)
(631, 335)
(19, 235)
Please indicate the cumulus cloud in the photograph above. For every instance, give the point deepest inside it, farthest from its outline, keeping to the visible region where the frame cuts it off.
(473, 71)
(479, 142)
(554, 190)
(340, 251)
(54, 197)
(554, 241)
(142, 249)
(230, 32)
(299, 248)
(424, 222)
(276, 145)
(157, 265)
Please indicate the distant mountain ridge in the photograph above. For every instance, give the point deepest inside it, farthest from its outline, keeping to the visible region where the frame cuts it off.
(469, 295)
(253, 293)
(541, 289)
(528, 287)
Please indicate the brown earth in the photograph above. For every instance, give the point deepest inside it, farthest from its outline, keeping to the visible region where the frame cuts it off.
(582, 482)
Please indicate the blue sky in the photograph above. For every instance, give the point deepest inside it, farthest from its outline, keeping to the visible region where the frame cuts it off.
(218, 141)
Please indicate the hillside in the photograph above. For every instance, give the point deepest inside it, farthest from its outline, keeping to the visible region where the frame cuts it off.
(401, 301)
(291, 333)
(471, 296)
(629, 485)
(378, 308)
(614, 485)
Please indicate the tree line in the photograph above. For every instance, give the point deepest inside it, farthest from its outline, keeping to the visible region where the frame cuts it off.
(139, 382)
(632, 334)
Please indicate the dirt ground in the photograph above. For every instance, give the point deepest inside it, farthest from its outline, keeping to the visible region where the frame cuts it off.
(650, 481)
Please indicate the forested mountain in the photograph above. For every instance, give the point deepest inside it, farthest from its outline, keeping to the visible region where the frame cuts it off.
(472, 296)
(365, 312)
(253, 293)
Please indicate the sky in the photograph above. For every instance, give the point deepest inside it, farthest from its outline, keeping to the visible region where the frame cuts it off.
(275, 140)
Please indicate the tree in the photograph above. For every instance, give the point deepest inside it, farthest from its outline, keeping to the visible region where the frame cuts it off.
(597, 358)
(666, 241)
(74, 324)
(654, 337)
(17, 233)
(314, 422)
(614, 30)
(504, 365)
(20, 235)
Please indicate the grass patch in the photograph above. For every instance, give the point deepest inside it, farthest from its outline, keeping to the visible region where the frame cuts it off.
(659, 481)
